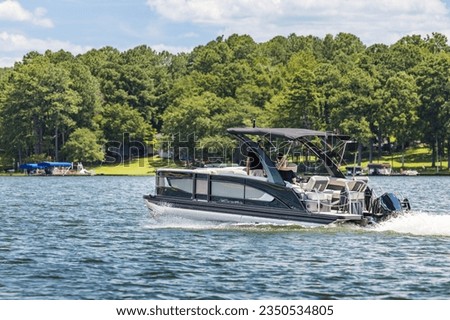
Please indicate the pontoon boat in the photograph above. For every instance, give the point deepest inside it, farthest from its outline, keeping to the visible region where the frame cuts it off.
(287, 176)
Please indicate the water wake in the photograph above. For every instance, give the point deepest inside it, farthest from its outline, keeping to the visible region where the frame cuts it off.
(174, 222)
(414, 223)
(418, 223)
(180, 223)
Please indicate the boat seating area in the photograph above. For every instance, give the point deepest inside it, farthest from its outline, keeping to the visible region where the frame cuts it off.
(324, 194)
(316, 197)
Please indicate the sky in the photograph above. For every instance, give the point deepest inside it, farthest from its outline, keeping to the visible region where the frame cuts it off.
(181, 25)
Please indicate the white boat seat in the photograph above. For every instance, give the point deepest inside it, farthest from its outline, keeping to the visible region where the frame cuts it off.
(362, 178)
(316, 183)
(315, 187)
(354, 193)
(257, 173)
(357, 192)
(358, 185)
(318, 196)
(333, 195)
(335, 187)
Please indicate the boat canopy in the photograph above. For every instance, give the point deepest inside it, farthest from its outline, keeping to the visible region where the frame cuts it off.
(286, 133)
(43, 165)
(304, 136)
(54, 164)
(30, 166)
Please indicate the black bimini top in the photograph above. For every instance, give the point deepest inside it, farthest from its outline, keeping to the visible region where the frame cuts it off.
(286, 133)
(301, 135)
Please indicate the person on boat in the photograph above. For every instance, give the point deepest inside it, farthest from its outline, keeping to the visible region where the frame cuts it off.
(286, 173)
(281, 160)
(254, 165)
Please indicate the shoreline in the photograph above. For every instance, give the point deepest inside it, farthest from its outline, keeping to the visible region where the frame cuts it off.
(444, 174)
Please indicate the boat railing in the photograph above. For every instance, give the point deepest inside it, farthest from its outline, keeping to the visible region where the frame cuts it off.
(335, 195)
(317, 201)
(315, 197)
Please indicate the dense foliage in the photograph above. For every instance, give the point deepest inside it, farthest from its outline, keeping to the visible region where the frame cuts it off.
(59, 106)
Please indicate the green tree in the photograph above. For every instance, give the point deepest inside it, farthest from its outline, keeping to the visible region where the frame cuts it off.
(193, 119)
(38, 103)
(301, 108)
(433, 79)
(83, 145)
(354, 108)
(400, 100)
(204, 58)
(118, 120)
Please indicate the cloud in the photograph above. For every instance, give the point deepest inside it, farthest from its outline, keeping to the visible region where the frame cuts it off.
(18, 45)
(11, 10)
(8, 61)
(171, 49)
(373, 21)
(10, 42)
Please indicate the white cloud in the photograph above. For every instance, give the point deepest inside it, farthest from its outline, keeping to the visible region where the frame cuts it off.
(11, 10)
(17, 45)
(8, 61)
(171, 49)
(10, 42)
(373, 21)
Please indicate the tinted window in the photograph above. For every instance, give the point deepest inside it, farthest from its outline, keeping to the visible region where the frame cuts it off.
(256, 194)
(184, 184)
(227, 190)
(175, 184)
(201, 187)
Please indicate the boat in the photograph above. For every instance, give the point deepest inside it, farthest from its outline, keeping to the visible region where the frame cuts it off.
(49, 168)
(379, 169)
(274, 184)
(81, 170)
(46, 168)
(354, 170)
(409, 172)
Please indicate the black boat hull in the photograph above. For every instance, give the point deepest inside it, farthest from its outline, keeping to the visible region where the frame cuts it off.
(235, 213)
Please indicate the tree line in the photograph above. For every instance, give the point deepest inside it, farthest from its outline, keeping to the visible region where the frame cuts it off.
(64, 107)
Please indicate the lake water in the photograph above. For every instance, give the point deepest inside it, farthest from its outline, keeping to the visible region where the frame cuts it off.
(93, 238)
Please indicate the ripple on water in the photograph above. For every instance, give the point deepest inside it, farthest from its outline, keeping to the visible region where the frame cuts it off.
(104, 245)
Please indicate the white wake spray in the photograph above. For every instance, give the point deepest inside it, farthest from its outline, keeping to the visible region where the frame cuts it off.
(418, 223)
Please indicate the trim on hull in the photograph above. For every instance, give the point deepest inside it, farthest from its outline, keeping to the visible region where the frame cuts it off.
(204, 211)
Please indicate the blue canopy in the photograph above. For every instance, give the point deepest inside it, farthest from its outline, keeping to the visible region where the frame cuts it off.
(47, 164)
(30, 166)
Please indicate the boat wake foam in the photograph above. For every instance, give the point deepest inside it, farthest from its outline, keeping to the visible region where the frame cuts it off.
(413, 223)
(417, 223)
(188, 224)
(180, 223)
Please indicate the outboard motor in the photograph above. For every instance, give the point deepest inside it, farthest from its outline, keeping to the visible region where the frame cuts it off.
(388, 204)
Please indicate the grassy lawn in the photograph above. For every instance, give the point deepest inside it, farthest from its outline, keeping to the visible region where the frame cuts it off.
(415, 158)
(136, 167)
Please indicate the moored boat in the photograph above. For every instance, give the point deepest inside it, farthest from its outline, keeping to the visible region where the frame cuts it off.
(271, 187)
(379, 169)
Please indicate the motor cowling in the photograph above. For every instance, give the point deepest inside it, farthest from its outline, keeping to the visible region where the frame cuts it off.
(387, 204)
(390, 203)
